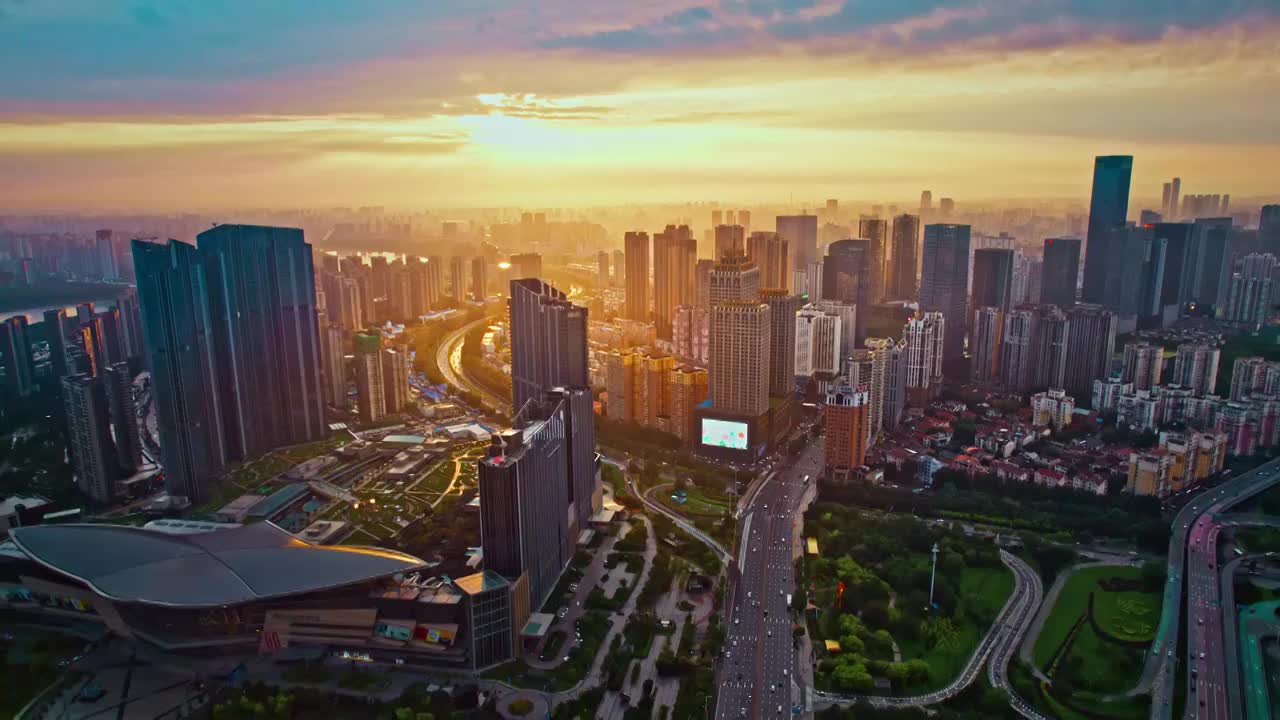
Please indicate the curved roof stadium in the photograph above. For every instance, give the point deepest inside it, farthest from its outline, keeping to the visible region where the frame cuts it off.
(227, 567)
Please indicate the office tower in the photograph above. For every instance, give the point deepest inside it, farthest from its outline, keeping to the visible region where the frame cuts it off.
(652, 402)
(848, 421)
(1108, 211)
(1252, 292)
(734, 279)
(1174, 201)
(1060, 271)
(769, 253)
(1178, 272)
(702, 282)
(944, 282)
(1196, 367)
(458, 277)
(717, 218)
(1165, 196)
(946, 206)
(174, 295)
(813, 280)
(675, 255)
(262, 303)
(130, 323)
(371, 393)
(523, 528)
(619, 267)
(15, 356)
(1018, 350)
(1052, 334)
(602, 269)
(740, 370)
(846, 278)
(637, 290)
(925, 338)
(801, 234)
(817, 343)
(620, 383)
(986, 343)
(93, 456)
(1211, 261)
(849, 318)
(89, 342)
(526, 265)
(55, 330)
(691, 329)
(124, 417)
(730, 242)
(333, 358)
(112, 342)
(782, 333)
(688, 391)
(904, 271)
(395, 380)
(1142, 365)
(106, 256)
(1091, 338)
(1269, 229)
(926, 200)
(992, 278)
(876, 231)
(548, 341)
(479, 280)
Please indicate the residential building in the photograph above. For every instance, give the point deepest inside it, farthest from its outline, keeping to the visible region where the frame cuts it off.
(1253, 291)
(1196, 366)
(1091, 338)
(1052, 408)
(15, 357)
(548, 341)
(620, 374)
(985, 345)
(1149, 472)
(730, 242)
(1254, 376)
(118, 384)
(783, 307)
(992, 278)
(847, 416)
(395, 380)
(479, 280)
(1052, 336)
(458, 277)
(734, 279)
(925, 338)
(691, 328)
(653, 390)
(892, 399)
(371, 383)
(1060, 271)
(675, 257)
(740, 370)
(1142, 364)
(817, 342)
(689, 388)
(769, 252)
(1017, 369)
(1107, 393)
(846, 278)
(93, 455)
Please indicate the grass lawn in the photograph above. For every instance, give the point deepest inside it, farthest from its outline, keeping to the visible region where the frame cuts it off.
(1104, 667)
(1072, 603)
(1128, 615)
(983, 593)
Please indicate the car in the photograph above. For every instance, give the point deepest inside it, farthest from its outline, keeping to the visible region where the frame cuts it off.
(1201, 655)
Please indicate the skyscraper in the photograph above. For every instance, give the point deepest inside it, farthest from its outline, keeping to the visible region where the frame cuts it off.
(1060, 271)
(769, 253)
(1018, 350)
(332, 336)
(479, 280)
(992, 278)
(1142, 365)
(1211, 261)
(734, 279)
(801, 234)
(782, 338)
(944, 282)
(925, 338)
(55, 331)
(876, 231)
(1091, 338)
(1053, 327)
(526, 265)
(926, 200)
(395, 380)
(675, 255)
(740, 369)
(174, 295)
(15, 357)
(846, 278)
(1108, 211)
(130, 323)
(891, 367)
(124, 417)
(1269, 229)
(93, 456)
(731, 241)
(1196, 367)
(906, 255)
(1253, 291)
(262, 307)
(986, 344)
(817, 343)
(637, 276)
(602, 269)
(458, 277)
(848, 421)
(371, 395)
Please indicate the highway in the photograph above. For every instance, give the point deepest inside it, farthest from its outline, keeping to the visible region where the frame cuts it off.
(757, 675)
(449, 360)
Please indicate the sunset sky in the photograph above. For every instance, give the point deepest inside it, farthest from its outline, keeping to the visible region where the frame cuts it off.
(201, 104)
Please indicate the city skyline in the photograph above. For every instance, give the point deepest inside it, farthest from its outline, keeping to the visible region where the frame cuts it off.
(147, 106)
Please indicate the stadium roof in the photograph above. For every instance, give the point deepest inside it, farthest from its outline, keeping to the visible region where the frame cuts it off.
(229, 567)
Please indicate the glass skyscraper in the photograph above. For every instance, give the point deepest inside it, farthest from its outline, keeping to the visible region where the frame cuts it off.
(1108, 210)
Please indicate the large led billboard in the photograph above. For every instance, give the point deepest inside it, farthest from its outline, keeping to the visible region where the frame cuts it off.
(723, 433)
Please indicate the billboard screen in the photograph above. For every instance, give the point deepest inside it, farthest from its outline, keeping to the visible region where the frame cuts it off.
(723, 433)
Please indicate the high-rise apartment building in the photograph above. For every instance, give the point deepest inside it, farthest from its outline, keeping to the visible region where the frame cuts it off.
(985, 344)
(769, 252)
(602, 269)
(262, 307)
(783, 307)
(395, 380)
(944, 282)
(56, 328)
(479, 280)
(817, 343)
(992, 278)
(740, 370)
(734, 279)
(130, 323)
(637, 274)
(332, 340)
(15, 357)
(458, 277)
(620, 384)
(1060, 271)
(906, 258)
(890, 370)
(691, 328)
(653, 390)
(548, 341)
(925, 338)
(93, 455)
(1142, 365)
(1108, 211)
(801, 234)
(619, 268)
(675, 257)
(1018, 349)
(848, 419)
(702, 282)
(1091, 339)
(1253, 291)
(118, 384)
(527, 265)
(1195, 366)
(1211, 262)
(173, 293)
(876, 232)
(866, 370)
(1052, 337)
(1052, 408)
(689, 388)
(371, 384)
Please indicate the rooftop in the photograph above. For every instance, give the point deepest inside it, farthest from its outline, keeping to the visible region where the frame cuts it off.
(228, 567)
(480, 582)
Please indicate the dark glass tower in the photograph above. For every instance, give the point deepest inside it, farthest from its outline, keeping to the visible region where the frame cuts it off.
(1060, 271)
(846, 278)
(1108, 210)
(262, 305)
(944, 282)
(992, 278)
(173, 295)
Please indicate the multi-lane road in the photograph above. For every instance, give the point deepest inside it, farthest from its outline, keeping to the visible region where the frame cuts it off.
(757, 673)
(449, 361)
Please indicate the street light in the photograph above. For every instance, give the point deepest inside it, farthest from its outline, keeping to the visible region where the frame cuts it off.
(933, 573)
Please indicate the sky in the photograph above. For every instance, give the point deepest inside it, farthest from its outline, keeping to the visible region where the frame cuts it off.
(202, 104)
